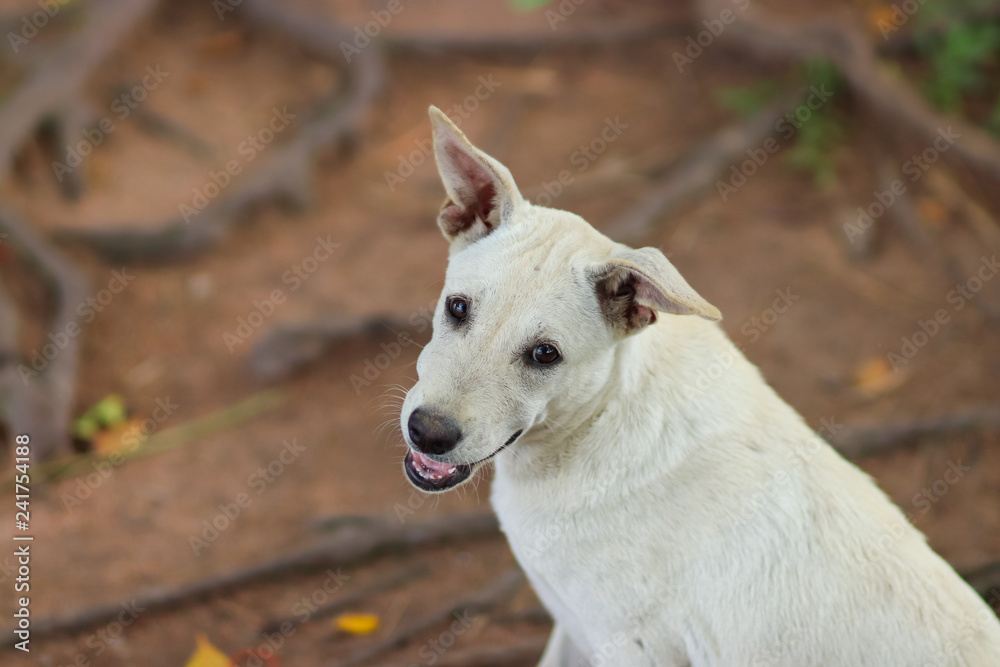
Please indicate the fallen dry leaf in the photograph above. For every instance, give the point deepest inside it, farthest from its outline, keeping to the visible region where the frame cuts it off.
(114, 439)
(206, 655)
(357, 624)
(875, 376)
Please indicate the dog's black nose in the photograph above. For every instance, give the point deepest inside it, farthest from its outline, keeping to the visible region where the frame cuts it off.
(433, 433)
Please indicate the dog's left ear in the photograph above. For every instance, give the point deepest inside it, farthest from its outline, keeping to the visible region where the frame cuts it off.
(481, 192)
(635, 284)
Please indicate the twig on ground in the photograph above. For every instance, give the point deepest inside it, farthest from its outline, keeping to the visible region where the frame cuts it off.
(392, 582)
(859, 441)
(168, 438)
(696, 171)
(486, 599)
(350, 546)
(44, 402)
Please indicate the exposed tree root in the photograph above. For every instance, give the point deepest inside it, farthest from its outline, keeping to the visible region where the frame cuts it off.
(695, 172)
(42, 403)
(41, 400)
(392, 582)
(358, 542)
(903, 212)
(525, 652)
(287, 347)
(51, 89)
(860, 441)
(10, 357)
(621, 32)
(284, 173)
(887, 94)
(486, 599)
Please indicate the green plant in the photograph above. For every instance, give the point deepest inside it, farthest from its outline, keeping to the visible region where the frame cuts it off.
(958, 57)
(747, 100)
(527, 5)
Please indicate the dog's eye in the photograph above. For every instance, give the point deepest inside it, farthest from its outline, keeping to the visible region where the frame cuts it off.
(458, 307)
(546, 353)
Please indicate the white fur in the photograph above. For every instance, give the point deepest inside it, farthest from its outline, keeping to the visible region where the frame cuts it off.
(668, 507)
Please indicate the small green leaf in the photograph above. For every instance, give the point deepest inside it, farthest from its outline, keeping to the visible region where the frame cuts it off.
(528, 5)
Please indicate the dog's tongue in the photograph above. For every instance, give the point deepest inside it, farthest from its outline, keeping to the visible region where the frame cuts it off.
(429, 468)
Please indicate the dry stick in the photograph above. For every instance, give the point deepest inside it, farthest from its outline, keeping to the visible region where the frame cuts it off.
(696, 171)
(351, 545)
(285, 348)
(851, 53)
(285, 171)
(497, 593)
(392, 582)
(859, 441)
(52, 87)
(161, 441)
(43, 406)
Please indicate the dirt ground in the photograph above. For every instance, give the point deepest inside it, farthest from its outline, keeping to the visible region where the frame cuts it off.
(163, 338)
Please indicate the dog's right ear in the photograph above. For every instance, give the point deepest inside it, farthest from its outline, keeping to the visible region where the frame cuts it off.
(481, 192)
(635, 284)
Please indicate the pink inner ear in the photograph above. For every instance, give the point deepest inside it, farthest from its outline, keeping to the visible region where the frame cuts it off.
(645, 292)
(644, 315)
(479, 188)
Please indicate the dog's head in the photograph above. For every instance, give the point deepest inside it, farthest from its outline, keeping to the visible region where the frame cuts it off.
(535, 304)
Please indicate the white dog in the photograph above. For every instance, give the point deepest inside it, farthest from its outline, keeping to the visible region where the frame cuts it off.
(668, 507)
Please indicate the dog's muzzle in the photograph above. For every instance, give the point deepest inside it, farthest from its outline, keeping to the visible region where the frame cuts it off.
(429, 475)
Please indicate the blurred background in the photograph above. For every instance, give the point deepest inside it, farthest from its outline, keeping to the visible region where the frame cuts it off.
(218, 261)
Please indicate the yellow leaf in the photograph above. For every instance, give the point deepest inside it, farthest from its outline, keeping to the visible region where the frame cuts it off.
(880, 19)
(357, 624)
(113, 439)
(932, 211)
(876, 376)
(206, 655)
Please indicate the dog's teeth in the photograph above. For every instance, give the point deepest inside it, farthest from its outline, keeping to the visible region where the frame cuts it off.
(451, 470)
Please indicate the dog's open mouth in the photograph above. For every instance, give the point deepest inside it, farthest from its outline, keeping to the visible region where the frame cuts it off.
(429, 475)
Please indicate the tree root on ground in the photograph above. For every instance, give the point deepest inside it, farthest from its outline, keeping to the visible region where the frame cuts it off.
(860, 441)
(484, 600)
(285, 348)
(356, 543)
(284, 174)
(695, 172)
(887, 95)
(392, 582)
(41, 403)
(524, 652)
